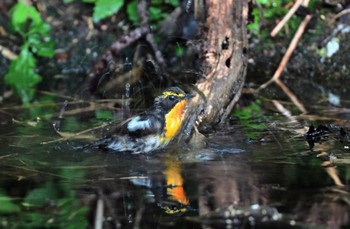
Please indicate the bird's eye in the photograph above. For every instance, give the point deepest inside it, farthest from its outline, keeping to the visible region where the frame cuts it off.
(171, 97)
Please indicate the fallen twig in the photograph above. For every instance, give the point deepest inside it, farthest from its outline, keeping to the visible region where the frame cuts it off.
(284, 111)
(7, 53)
(291, 95)
(286, 18)
(276, 77)
(74, 135)
(341, 13)
(293, 44)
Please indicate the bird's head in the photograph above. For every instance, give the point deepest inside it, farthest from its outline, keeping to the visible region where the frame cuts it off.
(171, 97)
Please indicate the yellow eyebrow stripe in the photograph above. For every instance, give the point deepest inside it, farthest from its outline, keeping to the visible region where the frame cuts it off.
(168, 93)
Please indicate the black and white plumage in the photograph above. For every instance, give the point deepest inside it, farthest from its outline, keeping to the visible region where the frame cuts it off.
(152, 129)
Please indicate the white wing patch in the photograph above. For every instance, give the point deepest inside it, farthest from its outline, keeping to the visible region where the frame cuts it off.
(137, 124)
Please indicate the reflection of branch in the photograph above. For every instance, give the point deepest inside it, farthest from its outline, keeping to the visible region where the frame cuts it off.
(138, 217)
(332, 172)
(99, 214)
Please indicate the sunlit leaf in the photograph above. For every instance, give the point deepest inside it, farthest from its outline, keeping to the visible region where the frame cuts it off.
(40, 29)
(106, 8)
(22, 76)
(21, 12)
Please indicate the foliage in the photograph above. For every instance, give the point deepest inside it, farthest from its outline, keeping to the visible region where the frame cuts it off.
(103, 114)
(249, 118)
(50, 205)
(158, 11)
(105, 8)
(21, 76)
(269, 10)
(6, 204)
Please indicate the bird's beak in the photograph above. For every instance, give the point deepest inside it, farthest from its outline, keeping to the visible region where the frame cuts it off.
(190, 95)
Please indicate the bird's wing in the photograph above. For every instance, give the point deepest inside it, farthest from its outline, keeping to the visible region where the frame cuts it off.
(142, 125)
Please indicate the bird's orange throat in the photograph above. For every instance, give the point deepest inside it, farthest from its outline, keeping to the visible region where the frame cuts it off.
(173, 120)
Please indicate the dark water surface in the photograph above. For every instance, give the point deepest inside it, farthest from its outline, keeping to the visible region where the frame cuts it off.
(244, 178)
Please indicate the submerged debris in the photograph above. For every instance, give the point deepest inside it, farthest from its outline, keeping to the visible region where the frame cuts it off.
(317, 135)
(241, 216)
(322, 133)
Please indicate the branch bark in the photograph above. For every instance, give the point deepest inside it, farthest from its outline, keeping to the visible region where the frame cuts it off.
(222, 52)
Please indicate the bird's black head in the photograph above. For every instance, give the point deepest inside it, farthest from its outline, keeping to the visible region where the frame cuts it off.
(170, 97)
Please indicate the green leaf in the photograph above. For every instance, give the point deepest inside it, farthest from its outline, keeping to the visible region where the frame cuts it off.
(255, 26)
(180, 51)
(41, 28)
(174, 3)
(68, 1)
(156, 2)
(106, 8)
(21, 72)
(90, 1)
(42, 195)
(21, 13)
(103, 114)
(21, 76)
(6, 204)
(131, 10)
(155, 13)
(42, 48)
(33, 220)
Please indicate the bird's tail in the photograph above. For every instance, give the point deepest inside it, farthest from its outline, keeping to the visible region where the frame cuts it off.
(102, 143)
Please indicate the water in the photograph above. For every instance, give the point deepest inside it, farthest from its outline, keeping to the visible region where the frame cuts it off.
(248, 176)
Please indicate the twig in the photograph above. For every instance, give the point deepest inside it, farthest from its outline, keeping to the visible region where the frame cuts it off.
(142, 9)
(75, 134)
(284, 111)
(7, 155)
(8, 53)
(102, 65)
(289, 52)
(291, 95)
(286, 17)
(341, 13)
